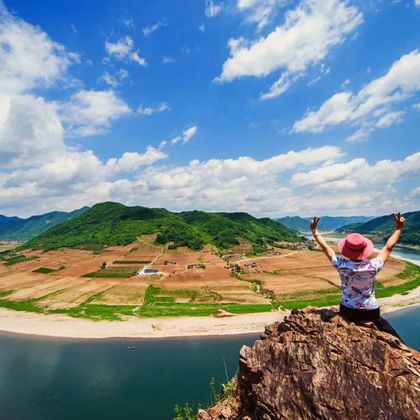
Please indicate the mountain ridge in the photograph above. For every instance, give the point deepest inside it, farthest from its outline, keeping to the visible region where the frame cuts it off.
(327, 223)
(13, 228)
(380, 228)
(111, 223)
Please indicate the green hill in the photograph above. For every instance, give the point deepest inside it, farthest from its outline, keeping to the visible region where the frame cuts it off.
(17, 229)
(296, 223)
(326, 224)
(110, 223)
(382, 227)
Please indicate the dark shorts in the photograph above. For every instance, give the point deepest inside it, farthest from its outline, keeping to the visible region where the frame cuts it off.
(371, 315)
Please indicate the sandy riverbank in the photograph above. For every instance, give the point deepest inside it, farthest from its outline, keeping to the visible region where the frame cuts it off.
(64, 326)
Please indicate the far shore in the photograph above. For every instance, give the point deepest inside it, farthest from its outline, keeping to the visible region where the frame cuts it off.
(62, 326)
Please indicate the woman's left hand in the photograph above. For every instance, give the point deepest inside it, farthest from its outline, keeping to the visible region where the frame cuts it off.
(314, 223)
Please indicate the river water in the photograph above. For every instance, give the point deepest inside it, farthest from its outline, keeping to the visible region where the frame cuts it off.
(51, 379)
(43, 379)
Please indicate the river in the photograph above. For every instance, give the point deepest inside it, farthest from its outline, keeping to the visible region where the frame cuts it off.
(49, 379)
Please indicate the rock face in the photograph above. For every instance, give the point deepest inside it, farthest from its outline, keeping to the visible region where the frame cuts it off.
(316, 365)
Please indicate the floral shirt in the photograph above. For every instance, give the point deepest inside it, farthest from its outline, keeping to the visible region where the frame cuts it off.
(358, 282)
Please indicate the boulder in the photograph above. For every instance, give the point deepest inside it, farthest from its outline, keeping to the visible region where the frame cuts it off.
(316, 365)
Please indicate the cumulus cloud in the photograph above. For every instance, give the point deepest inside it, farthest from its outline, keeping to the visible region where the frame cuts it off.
(305, 182)
(90, 112)
(28, 127)
(37, 167)
(371, 107)
(359, 173)
(270, 187)
(131, 161)
(186, 136)
(28, 57)
(212, 8)
(124, 49)
(308, 34)
(149, 110)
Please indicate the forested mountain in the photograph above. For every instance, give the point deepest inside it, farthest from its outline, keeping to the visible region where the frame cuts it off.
(18, 229)
(381, 227)
(110, 223)
(327, 223)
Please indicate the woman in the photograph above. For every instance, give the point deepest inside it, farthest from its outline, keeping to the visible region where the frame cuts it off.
(358, 273)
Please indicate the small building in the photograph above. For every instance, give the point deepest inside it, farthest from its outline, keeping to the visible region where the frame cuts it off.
(148, 272)
(252, 264)
(192, 266)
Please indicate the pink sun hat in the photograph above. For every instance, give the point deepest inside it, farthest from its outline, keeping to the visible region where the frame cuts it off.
(356, 247)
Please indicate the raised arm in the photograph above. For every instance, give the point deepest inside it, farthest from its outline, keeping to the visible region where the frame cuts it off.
(320, 240)
(385, 252)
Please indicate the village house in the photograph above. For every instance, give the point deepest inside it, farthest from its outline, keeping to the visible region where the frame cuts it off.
(148, 272)
(253, 264)
(192, 266)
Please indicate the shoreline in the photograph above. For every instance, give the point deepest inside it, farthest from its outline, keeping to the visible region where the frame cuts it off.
(66, 327)
(62, 326)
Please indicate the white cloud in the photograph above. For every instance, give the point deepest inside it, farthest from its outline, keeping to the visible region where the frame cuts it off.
(116, 79)
(270, 186)
(131, 161)
(30, 131)
(417, 3)
(148, 110)
(305, 182)
(260, 12)
(123, 49)
(416, 106)
(186, 136)
(202, 28)
(90, 112)
(308, 34)
(371, 106)
(28, 57)
(110, 80)
(359, 173)
(389, 119)
(37, 167)
(148, 30)
(212, 8)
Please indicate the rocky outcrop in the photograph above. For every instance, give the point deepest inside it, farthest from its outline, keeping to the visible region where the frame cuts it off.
(316, 365)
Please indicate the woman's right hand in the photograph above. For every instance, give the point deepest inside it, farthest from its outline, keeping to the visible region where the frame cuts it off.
(399, 220)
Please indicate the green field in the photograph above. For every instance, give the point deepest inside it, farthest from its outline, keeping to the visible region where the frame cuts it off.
(113, 273)
(46, 270)
(17, 260)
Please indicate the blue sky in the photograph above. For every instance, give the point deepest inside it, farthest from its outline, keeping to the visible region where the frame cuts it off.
(273, 107)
